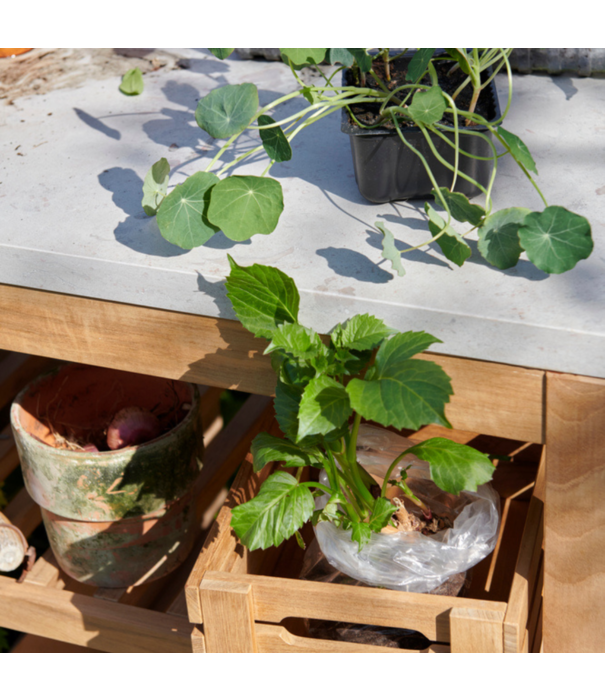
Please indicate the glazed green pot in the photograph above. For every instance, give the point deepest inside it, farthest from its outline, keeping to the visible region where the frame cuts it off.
(113, 518)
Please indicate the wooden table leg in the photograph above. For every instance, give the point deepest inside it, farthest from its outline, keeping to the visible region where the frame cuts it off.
(574, 583)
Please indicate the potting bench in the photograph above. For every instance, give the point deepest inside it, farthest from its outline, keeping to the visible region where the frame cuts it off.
(86, 277)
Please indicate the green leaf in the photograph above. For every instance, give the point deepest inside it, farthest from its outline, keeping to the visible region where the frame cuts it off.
(418, 64)
(400, 391)
(310, 95)
(361, 332)
(182, 218)
(361, 533)
(268, 448)
(428, 107)
(286, 404)
(281, 507)
(461, 59)
(556, 239)
(452, 245)
(389, 249)
(519, 150)
(132, 82)
(296, 339)
(454, 467)
(263, 298)
(274, 140)
(499, 237)
(222, 53)
(343, 56)
(227, 110)
(155, 186)
(381, 514)
(244, 205)
(363, 58)
(303, 57)
(460, 207)
(324, 407)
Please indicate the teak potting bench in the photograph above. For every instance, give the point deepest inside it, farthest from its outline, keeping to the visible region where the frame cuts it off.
(86, 277)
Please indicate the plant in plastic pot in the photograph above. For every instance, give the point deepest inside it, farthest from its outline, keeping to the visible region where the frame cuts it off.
(111, 457)
(423, 124)
(366, 371)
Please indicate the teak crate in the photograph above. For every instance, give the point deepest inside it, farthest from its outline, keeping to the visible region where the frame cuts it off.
(48, 605)
(242, 598)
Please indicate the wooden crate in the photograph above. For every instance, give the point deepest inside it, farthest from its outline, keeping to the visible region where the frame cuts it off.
(242, 599)
(147, 618)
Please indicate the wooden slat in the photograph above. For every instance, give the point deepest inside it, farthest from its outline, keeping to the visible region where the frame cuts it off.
(274, 639)
(83, 620)
(228, 611)
(574, 577)
(526, 568)
(536, 606)
(476, 631)
(33, 644)
(276, 599)
(220, 352)
(24, 513)
(9, 458)
(46, 572)
(198, 643)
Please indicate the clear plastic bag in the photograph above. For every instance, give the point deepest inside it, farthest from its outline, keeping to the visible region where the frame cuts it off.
(412, 561)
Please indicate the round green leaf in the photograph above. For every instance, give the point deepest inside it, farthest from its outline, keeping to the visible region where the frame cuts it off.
(303, 57)
(274, 140)
(221, 53)
(182, 217)
(245, 205)
(428, 107)
(227, 110)
(155, 186)
(343, 56)
(499, 237)
(556, 239)
(132, 82)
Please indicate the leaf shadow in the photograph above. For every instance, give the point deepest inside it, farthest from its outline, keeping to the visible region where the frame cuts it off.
(349, 263)
(97, 124)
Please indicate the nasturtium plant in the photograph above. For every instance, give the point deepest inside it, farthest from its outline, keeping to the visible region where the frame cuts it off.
(554, 239)
(132, 82)
(325, 387)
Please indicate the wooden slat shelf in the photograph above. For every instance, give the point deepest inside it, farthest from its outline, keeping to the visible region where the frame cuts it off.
(49, 605)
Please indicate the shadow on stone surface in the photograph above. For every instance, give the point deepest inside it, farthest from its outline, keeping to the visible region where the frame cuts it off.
(97, 124)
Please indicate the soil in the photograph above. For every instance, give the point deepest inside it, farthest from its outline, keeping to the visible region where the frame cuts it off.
(43, 70)
(449, 82)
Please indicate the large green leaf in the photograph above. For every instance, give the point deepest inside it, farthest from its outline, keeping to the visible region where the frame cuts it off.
(363, 58)
(155, 186)
(263, 297)
(556, 239)
(227, 110)
(324, 407)
(182, 218)
(361, 332)
(281, 507)
(286, 404)
(454, 467)
(428, 107)
(303, 57)
(361, 533)
(418, 64)
(244, 205)
(222, 53)
(343, 56)
(381, 514)
(400, 391)
(298, 340)
(132, 82)
(519, 150)
(268, 448)
(389, 249)
(274, 140)
(499, 237)
(452, 245)
(460, 207)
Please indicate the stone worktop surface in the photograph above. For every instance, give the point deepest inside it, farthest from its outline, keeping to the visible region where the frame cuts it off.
(72, 163)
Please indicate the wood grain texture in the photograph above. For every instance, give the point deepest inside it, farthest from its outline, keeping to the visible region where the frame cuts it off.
(220, 352)
(476, 631)
(228, 611)
(574, 576)
(86, 621)
(9, 458)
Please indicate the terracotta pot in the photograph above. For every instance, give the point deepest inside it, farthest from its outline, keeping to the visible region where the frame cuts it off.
(5, 53)
(113, 518)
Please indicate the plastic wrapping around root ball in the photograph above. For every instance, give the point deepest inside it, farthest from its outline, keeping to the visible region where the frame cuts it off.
(411, 561)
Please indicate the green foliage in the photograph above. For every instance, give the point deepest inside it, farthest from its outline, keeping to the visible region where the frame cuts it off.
(222, 53)
(132, 82)
(246, 206)
(365, 369)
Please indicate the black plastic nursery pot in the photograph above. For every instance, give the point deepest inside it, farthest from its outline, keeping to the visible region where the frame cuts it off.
(387, 170)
